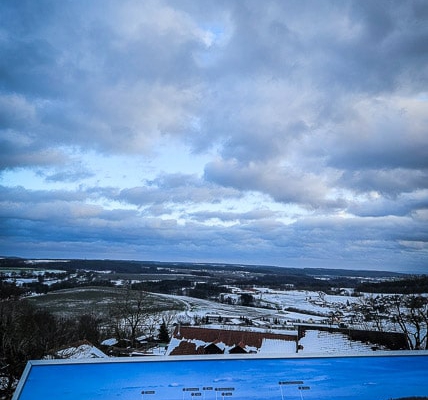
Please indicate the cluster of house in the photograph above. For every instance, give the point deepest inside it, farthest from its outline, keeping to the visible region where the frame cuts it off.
(191, 340)
(229, 339)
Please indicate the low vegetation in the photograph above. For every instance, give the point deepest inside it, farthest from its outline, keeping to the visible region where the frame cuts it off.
(28, 332)
(94, 299)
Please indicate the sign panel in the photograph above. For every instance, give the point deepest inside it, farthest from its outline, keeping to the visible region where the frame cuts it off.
(377, 377)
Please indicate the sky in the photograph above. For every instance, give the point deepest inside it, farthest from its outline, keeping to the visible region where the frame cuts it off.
(290, 133)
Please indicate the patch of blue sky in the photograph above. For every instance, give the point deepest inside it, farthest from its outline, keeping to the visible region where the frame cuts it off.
(423, 97)
(24, 177)
(217, 33)
(94, 169)
(216, 37)
(173, 157)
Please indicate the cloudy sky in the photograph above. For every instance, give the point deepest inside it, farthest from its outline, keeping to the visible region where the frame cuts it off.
(289, 132)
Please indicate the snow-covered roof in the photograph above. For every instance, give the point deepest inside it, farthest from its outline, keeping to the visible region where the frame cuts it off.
(109, 342)
(324, 342)
(80, 350)
(188, 340)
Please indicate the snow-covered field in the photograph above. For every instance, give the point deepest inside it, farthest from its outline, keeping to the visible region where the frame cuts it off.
(311, 306)
(281, 310)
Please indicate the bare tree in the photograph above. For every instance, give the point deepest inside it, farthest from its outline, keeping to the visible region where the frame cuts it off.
(374, 312)
(408, 313)
(169, 317)
(130, 314)
(151, 324)
(89, 327)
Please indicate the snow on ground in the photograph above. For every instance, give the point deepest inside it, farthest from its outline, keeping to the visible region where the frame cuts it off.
(310, 301)
(22, 281)
(297, 299)
(156, 351)
(305, 306)
(291, 298)
(296, 317)
(248, 329)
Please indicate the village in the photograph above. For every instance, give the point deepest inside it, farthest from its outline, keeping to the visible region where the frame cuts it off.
(324, 324)
(125, 310)
(235, 319)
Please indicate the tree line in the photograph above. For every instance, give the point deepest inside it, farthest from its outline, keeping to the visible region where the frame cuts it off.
(410, 285)
(29, 333)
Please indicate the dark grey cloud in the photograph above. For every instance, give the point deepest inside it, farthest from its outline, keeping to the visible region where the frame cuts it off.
(19, 194)
(388, 182)
(69, 176)
(177, 188)
(109, 72)
(103, 81)
(285, 185)
(392, 145)
(337, 50)
(404, 205)
(17, 156)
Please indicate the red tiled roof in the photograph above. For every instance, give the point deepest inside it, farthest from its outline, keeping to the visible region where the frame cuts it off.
(187, 349)
(230, 338)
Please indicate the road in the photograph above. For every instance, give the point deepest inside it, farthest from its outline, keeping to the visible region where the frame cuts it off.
(201, 307)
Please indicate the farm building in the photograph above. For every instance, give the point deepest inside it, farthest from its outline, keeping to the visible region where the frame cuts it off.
(189, 340)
